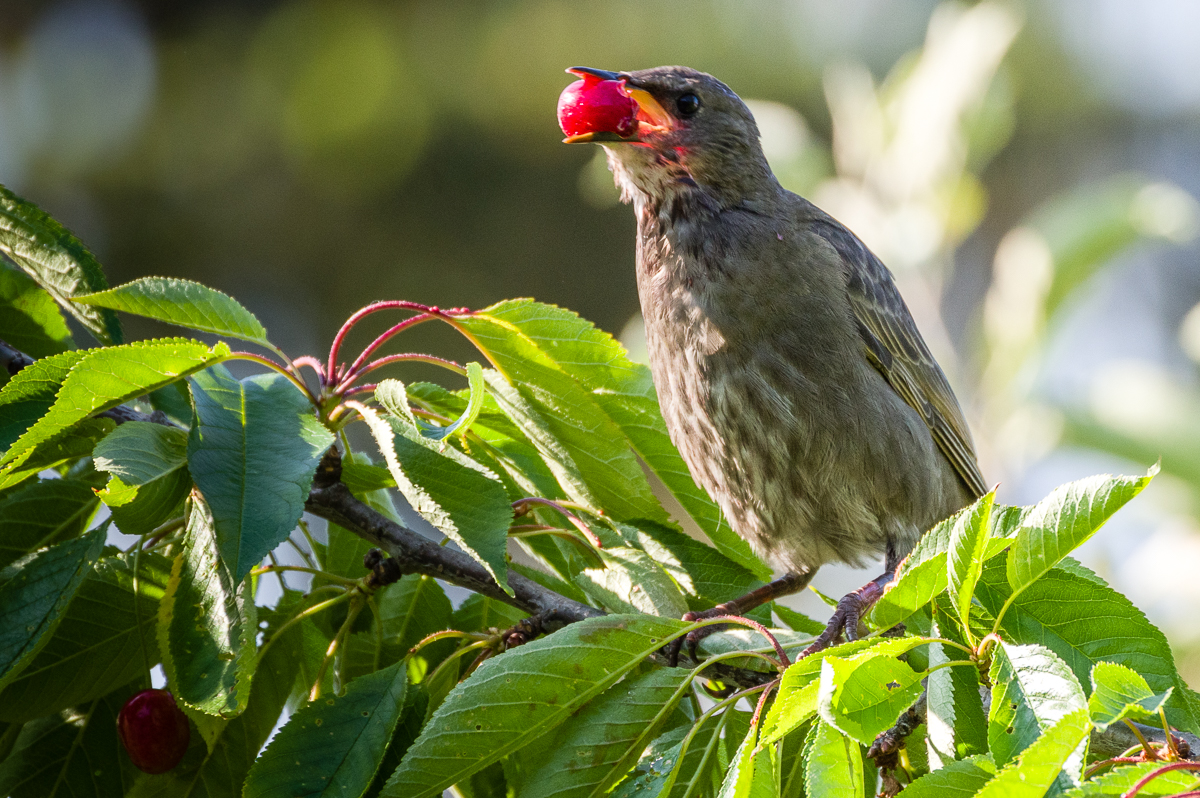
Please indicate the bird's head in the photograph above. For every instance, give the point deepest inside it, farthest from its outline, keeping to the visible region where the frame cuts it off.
(679, 130)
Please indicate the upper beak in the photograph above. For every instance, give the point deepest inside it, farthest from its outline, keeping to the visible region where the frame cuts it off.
(651, 115)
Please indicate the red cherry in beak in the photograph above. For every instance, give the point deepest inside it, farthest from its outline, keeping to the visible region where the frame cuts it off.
(593, 105)
(153, 730)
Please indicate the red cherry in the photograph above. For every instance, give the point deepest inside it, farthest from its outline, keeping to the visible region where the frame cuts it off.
(153, 730)
(593, 105)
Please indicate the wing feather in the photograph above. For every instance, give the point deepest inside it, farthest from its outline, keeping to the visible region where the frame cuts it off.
(895, 347)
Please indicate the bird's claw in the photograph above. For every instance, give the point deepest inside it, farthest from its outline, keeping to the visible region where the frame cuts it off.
(692, 639)
(843, 624)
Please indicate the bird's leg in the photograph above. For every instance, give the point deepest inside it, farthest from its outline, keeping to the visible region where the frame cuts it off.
(783, 586)
(846, 615)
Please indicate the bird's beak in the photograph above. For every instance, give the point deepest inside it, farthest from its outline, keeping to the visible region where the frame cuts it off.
(652, 117)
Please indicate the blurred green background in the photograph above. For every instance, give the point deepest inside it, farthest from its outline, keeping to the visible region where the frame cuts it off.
(1027, 170)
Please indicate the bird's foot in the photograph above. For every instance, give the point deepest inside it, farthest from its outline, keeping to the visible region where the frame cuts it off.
(851, 608)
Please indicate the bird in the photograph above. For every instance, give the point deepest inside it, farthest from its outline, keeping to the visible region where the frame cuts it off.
(790, 373)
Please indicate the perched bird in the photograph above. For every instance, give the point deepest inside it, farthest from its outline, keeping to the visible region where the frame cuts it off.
(790, 373)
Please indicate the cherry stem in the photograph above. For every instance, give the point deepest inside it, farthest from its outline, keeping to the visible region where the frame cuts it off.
(355, 371)
(425, 312)
(1154, 774)
(313, 363)
(762, 701)
(1151, 754)
(522, 506)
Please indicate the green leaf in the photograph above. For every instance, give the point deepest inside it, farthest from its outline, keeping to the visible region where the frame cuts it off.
(863, 696)
(333, 746)
(393, 398)
(42, 514)
(1119, 693)
(96, 648)
(796, 701)
(1032, 689)
(670, 771)
(1064, 520)
(1084, 621)
(964, 560)
(154, 503)
(181, 302)
(752, 773)
(75, 752)
(834, 764)
(625, 392)
(501, 438)
(206, 624)
(549, 678)
(955, 721)
(57, 260)
(140, 452)
(958, 779)
(464, 500)
(104, 379)
(571, 422)
(1045, 761)
(706, 575)
(592, 750)
(631, 581)
(253, 451)
(460, 426)
(34, 593)
(30, 393)
(29, 318)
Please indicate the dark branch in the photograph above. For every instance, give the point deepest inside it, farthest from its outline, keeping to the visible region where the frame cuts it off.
(332, 500)
(13, 359)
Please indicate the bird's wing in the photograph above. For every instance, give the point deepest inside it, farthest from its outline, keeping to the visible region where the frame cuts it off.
(895, 347)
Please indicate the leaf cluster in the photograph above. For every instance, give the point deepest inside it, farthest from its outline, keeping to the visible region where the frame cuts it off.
(546, 469)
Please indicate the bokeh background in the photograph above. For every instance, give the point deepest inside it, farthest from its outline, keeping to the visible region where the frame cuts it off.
(1028, 171)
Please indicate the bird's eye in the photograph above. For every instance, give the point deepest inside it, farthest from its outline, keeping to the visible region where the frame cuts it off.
(687, 104)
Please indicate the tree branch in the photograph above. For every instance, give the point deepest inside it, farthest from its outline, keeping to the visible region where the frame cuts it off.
(331, 499)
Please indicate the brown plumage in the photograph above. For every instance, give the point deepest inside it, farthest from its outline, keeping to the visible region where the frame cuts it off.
(790, 373)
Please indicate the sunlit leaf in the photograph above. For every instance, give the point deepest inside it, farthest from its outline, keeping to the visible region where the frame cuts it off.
(1032, 689)
(1064, 520)
(862, 696)
(1046, 761)
(625, 392)
(139, 452)
(631, 581)
(104, 379)
(181, 302)
(959, 779)
(1119, 693)
(461, 498)
(964, 560)
(834, 764)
